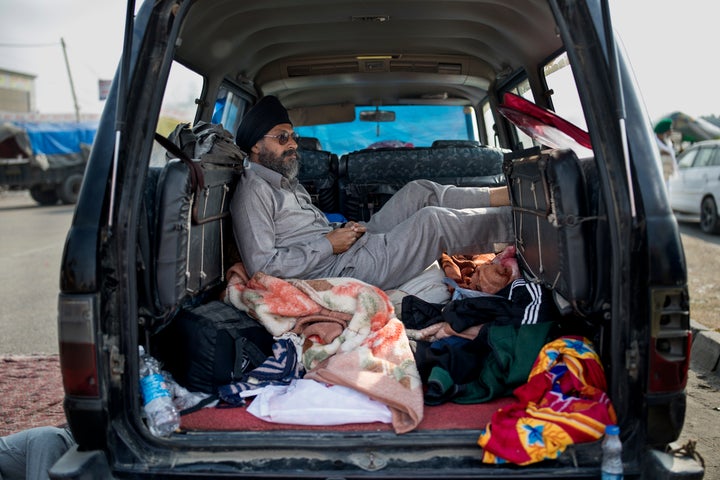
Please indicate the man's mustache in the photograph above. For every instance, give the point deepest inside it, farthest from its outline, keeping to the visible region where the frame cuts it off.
(290, 153)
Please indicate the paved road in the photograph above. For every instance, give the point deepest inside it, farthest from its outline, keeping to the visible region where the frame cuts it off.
(31, 244)
(32, 239)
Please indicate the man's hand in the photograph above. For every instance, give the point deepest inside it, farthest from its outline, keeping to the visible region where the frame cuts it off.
(343, 238)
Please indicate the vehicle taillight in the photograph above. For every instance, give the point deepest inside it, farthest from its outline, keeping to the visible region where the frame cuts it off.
(78, 351)
(670, 341)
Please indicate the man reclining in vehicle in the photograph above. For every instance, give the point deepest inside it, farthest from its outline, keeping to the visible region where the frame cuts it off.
(280, 232)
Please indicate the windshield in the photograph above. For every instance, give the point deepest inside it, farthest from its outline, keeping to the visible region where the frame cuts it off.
(414, 126)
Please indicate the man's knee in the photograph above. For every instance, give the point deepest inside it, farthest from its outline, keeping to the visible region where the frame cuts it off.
(432, 217)
(422, 191)
(422, 183)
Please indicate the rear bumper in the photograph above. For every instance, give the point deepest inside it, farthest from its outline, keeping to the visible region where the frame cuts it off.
(666, 466)
(91, 465)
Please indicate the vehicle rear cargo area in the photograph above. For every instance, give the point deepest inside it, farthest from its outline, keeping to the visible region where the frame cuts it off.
(439, 362)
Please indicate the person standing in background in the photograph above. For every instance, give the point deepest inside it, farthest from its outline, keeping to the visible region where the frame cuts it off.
(663, 132)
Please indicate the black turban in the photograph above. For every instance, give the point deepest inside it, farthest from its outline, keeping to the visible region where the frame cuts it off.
(259, 120)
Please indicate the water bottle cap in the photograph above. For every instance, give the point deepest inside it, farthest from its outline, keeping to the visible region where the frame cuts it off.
(612, 430)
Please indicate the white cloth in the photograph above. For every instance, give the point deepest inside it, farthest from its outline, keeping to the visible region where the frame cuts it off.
(667, 156)
(307, 402)
(428, 286)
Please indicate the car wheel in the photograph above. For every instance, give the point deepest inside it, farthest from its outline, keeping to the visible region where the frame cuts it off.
(709, 221)
(43, 195)
(70, 188)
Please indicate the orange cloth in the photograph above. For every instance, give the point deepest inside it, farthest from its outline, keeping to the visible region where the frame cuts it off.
(487, 272)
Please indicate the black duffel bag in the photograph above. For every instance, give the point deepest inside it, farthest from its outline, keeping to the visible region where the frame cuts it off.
(212, 345)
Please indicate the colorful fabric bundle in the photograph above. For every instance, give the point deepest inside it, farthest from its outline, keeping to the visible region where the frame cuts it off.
(563, 402)
(350, 332)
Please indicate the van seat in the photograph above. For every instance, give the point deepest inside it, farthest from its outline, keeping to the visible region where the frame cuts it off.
(309, 143)
(190, 239)
(318, 174)
(455, 143)
(368, 178)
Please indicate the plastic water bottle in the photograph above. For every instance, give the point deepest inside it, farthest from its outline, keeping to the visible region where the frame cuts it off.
(612, 466)
(162, 416)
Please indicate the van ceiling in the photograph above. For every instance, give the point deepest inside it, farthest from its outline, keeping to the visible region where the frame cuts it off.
(365, 52)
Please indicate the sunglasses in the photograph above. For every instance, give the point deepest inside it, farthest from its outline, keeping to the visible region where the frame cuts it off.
(283, 137)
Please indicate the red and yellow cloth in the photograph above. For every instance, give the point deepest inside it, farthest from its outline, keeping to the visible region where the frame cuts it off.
(563, 402)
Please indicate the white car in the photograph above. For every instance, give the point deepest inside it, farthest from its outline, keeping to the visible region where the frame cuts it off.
(695, 188)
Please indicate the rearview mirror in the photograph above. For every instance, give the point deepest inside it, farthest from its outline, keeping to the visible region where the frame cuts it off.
(377, 116)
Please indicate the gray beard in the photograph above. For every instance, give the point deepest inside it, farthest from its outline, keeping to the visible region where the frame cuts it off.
(285, 167)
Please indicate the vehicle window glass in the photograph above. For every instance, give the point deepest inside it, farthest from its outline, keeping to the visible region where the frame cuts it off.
(523, 89)
(703, 157)
(687, 159)
(178, 106)
(229, 109)
(413, 126)
(183, 87)
(715, 160)
(489, 124)
(565, 99)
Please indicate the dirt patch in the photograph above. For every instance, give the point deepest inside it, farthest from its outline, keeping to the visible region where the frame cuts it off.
(31, 392)
(703, 265)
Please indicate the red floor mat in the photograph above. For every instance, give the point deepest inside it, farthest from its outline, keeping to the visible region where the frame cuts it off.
(442, 417)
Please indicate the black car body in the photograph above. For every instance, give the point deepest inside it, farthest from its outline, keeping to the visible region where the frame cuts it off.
(326, 54)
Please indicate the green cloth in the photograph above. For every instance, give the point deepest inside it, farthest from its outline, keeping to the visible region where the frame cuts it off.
(513, 353)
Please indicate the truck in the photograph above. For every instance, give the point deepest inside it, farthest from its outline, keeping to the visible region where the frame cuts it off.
(46, 158)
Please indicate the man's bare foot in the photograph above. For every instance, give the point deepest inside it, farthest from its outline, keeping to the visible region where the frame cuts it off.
(499, 196)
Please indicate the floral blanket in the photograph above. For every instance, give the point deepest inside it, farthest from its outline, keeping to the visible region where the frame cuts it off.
(351, 335)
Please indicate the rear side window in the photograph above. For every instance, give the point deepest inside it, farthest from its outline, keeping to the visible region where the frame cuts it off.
(523, 89)
(490, 130)
(229, 109)
(183, 88)
(565, 99)
(179, 106)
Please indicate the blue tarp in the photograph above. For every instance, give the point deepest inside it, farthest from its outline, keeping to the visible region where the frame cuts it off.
(53, 138)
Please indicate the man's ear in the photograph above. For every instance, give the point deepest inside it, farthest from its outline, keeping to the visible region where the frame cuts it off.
(255, 149)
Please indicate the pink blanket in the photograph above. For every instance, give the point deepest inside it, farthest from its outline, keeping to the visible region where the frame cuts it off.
(351, 335)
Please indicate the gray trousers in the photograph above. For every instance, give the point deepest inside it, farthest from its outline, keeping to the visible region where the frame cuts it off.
(30, 453)
(420, 222)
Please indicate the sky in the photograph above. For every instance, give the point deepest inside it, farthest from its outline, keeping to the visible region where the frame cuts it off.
(671, 45)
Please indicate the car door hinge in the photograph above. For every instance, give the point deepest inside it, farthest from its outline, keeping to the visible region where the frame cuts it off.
(117, 360)
(632, 356)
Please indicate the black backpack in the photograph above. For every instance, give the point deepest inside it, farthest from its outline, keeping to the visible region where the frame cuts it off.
(212, 345)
